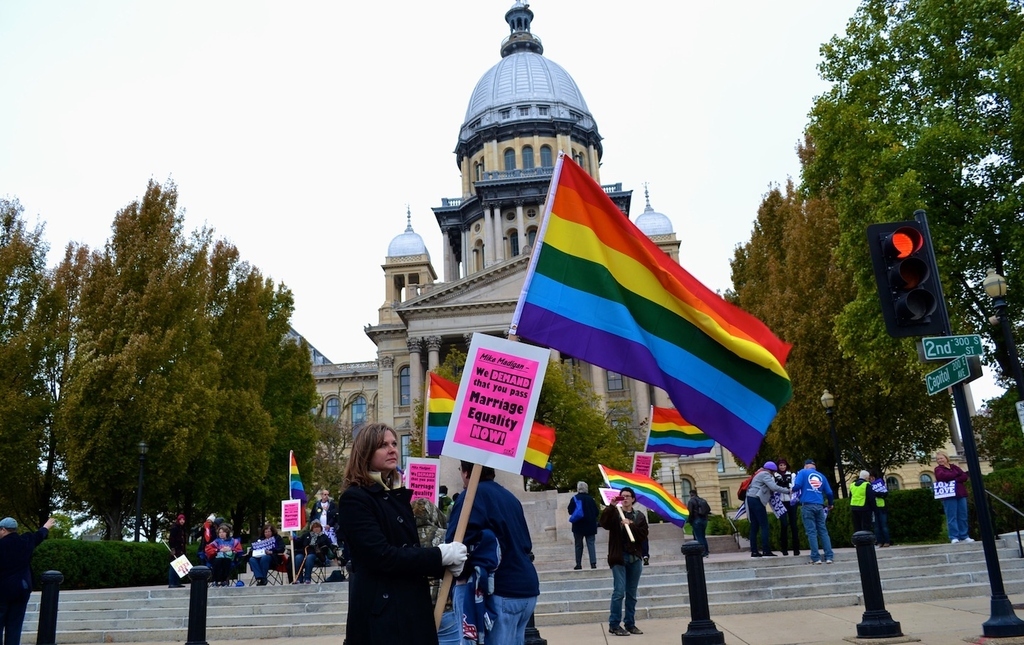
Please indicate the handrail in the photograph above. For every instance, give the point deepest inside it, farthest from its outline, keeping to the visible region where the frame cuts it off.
(1016, 525)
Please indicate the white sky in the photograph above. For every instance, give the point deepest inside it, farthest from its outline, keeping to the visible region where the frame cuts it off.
(299, 131)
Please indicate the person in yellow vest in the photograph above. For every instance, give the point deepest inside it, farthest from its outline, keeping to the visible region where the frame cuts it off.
(862, 502)
(881, 512)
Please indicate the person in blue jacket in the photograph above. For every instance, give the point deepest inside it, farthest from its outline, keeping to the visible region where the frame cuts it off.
(584, 529)
(814, 491)
(16, 575)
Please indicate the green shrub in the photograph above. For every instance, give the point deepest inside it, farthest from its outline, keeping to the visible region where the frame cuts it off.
(101, 565)
(1008, 484)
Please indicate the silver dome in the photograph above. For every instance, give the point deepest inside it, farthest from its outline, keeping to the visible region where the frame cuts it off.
(525, 77)
(408, 243)
(651, 222)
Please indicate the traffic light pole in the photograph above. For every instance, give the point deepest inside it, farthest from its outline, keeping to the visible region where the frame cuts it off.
(1002, 622)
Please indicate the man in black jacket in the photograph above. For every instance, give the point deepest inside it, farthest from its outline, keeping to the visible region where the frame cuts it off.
(584, 529)
(16, 575)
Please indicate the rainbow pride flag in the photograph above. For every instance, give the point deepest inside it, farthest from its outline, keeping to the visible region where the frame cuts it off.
(599, 290)
(440, 403)
(649, 493)
(295, 488)
(670, 432)
(538, 453)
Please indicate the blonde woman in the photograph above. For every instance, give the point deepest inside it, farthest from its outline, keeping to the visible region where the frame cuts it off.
(954, 507)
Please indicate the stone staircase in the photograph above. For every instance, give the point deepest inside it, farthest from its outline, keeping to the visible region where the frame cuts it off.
(736, 584)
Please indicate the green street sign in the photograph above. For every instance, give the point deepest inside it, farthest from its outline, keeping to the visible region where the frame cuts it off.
(944, 347)
(949, 374)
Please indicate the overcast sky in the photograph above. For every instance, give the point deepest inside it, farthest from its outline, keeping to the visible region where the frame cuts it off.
(299, 131)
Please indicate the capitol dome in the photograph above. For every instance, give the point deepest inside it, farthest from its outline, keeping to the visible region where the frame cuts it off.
(408, 243)
(651, 222)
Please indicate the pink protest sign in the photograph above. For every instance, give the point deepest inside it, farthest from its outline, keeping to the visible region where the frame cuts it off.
(422, 477)
(291, 515)
(497, 400)
(643, 463)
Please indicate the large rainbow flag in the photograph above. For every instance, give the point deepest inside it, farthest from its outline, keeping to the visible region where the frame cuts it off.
(670, 432)
(538, 453)
(440, 403)
(649, 493)
(599, 290)
(295, 488)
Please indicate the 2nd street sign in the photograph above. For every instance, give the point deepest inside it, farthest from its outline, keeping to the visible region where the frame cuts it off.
(949, 374)
(946, 347)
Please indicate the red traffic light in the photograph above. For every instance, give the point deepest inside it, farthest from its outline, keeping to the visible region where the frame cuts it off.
(903, 242)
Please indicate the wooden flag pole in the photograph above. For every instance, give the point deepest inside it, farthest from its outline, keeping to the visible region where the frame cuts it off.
(460, 533)
(623, 516)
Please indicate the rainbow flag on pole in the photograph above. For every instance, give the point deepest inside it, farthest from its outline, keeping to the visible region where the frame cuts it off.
(538, 453)
(649, 493)
(440, 403)
(295, 488)
(669, 432)
(599, 290)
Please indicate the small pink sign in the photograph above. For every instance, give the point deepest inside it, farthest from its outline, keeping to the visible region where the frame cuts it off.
(422, 476)
(291, 515)
(643, 463)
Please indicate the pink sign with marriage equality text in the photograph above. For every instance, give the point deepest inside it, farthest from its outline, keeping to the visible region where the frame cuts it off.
(643, 463)
(422, 476)
(496, 403)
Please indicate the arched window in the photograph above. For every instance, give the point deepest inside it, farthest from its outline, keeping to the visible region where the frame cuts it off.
(479, 167)
(403, 386)
(685, 486)
(531, 236)
(892, 482)
(513, 243)
(510, 159)
(545, 157)
(358, 411)
(333, 408)
(927, 481)
(527, 158)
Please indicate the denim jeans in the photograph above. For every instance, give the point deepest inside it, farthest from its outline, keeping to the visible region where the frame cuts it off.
(882, 526)
(260, 566)
(955, 509)
(814, 525)
(304, 565)
(625, 579)
(513, 615)
(758, 515)
(450, 631)
(12, 616)
(591, 551)
(700, 527)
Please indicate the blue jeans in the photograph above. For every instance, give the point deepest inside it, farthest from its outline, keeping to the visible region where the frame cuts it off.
(591, 551)
(882, 526)
(625, 579)
(304, 565)
(513, 615)
(700, 527)
(955, 509)
(758, 515)
(450, 631)
(260, 566)
(12, 616)
(814, 526)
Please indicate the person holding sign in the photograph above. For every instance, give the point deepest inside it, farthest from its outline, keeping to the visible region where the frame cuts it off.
(389, 591)
(953, 505)
(265, 553)
(627, 530)
(176, 543)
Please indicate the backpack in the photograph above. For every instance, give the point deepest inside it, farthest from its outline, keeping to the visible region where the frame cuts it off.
(577, 513)
(742, 492)
(703, 508)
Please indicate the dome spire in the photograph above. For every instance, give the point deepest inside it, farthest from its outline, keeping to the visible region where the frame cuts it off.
(647, 198)
(519, 18)
(408, 219)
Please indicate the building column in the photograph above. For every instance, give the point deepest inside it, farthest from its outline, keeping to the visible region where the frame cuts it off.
(415, 369)
(599, 381)
(661, 398)
(488, 237)
(499, 236)
(521, 227)
(641, 399)
(433, 352)
(466, 268)
(386, 391)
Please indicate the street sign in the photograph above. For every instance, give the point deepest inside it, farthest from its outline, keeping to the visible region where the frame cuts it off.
(949, 374)
(1020, 413)
(945, 347)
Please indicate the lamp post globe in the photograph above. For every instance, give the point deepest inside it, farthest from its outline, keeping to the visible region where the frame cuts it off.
(995, 287)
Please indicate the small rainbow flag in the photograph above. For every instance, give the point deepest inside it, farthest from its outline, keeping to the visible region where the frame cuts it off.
(296, 491)
(440, 403)
(670, 432)
(649, 493)
(538, 453)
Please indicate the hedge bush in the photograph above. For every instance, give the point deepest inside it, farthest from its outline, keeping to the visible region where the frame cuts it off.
(104, 564)
(1009, 485)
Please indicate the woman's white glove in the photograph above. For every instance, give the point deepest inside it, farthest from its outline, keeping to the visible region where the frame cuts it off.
(453, 556)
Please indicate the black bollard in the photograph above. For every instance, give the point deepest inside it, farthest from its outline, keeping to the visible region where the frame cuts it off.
(200, 576)
(701, 630)
(46, 633)
(532, 634)
(877, 622)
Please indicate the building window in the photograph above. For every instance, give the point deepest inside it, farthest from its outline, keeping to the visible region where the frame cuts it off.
(506, 114)
(614, 381)
(406, 442)
(531, 236)
(531, 213)
(524, 110)
(333, 408)
(403, 386)
(542, 110)
(527, 158)
(510, 159)
(545, 157)
(685, 486)
(892, 482)
(927, 481)
(513, 243)
(720, 453)
(723, 495)
(358, 411)
(479, 170)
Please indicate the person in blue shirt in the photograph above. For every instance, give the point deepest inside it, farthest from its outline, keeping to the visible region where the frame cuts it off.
(814, 491)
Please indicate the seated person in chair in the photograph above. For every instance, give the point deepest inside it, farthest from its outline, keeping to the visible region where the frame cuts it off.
(267, 554)
(222, 553)
(312, 549)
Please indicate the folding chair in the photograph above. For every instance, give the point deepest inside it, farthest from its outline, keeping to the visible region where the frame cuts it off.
(275, 576)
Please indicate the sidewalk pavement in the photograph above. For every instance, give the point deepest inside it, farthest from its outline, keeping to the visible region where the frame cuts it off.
(942, 622)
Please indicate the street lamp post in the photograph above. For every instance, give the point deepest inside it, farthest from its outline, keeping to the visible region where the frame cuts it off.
(672, 469)
(143, 447)
(829, 403)
(995, 287)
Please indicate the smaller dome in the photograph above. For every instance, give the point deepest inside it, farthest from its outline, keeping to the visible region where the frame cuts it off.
(408, 243)
(651, 222)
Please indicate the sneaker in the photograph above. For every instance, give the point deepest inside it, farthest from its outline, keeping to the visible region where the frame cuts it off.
(647, 560)
(634, 630)
(755, 554)
(815, 561)
(954, 541)
(593, 565)
(795, 552)
(618, 631)
(769, 554)
(785, 552)
(967, 539)
(577, 568)
(828, 562)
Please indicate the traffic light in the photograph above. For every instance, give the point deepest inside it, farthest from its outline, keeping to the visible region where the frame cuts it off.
(908, 280)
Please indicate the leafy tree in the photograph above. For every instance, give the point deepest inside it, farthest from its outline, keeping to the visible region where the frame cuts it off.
(334, 439)
(999, 434)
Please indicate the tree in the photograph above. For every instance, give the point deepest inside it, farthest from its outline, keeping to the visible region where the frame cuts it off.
(999, 433)
(924, 112)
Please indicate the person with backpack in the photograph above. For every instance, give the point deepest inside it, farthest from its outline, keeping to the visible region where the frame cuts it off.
(699, 510)
(758, 495)
(583, 517)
